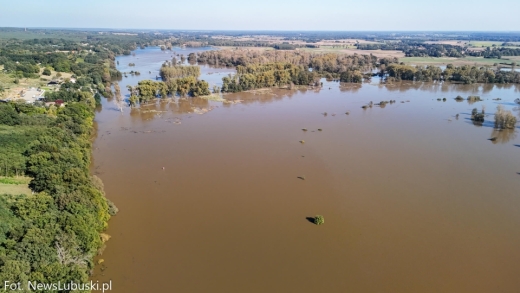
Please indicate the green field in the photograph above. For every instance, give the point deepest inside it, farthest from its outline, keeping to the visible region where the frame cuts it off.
(484, 43)
(454, 61)
(326, 49)
(15, 185)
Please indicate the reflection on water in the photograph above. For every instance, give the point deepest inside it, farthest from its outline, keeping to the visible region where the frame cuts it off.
(503, 135)
(156, 109)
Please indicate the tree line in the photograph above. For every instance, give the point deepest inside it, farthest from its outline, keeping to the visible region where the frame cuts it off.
(423, 49)
(147, 90)
(52, 235)
(332, 62)
(464, 74)
(255, 76)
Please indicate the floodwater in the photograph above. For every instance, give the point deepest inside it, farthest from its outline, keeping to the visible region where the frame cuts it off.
(414, 198)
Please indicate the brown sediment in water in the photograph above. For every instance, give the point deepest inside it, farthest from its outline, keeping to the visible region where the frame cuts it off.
(412, 204)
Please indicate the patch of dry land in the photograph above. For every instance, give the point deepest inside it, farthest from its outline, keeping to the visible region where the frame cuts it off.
(14, 90)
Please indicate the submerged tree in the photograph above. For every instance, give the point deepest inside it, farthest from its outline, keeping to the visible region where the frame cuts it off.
(504, 119)
(319, 220)
(118, 101)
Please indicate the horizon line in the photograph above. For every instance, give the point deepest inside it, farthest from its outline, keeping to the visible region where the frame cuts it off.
(258, 30)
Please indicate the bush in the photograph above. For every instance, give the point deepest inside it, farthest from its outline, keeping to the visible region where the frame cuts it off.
(319, 220)
(476, 116)
(112, 209)
(47, 72)
(479, 117)
(459, 99)
(504, 119)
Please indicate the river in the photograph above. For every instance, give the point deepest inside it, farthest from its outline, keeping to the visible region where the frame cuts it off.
(415, 198)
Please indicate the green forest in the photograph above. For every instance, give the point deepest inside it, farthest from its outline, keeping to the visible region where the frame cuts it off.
(53, 232)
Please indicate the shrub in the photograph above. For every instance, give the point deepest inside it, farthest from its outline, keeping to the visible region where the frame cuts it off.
(459, 99)
(479, 117)
(474, 98)
(476, 116)
(504, 119)
(319, 220)
(112, 209)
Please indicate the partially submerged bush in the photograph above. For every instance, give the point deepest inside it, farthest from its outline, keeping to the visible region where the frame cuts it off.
(319, 220)
(474, 98)
(476, 116)
(112, 209)
(504, 119)
(459, 99)
(479, 117)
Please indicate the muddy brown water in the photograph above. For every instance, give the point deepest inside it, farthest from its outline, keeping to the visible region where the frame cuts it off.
(414, 199)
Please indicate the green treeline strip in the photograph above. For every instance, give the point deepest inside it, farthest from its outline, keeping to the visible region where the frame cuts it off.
(331, 62)
(464, 74)
(261, 75)
(54, 234)
(268, 75)
(169, 72)
(147, 90)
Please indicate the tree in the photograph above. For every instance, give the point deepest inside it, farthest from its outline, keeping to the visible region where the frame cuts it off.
(47, 72)
(8, 115)
(133, 100)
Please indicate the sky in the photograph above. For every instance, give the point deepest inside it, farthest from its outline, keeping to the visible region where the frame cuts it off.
(337, 15)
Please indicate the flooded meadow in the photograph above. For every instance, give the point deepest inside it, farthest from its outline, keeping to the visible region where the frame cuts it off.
(214, 196)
